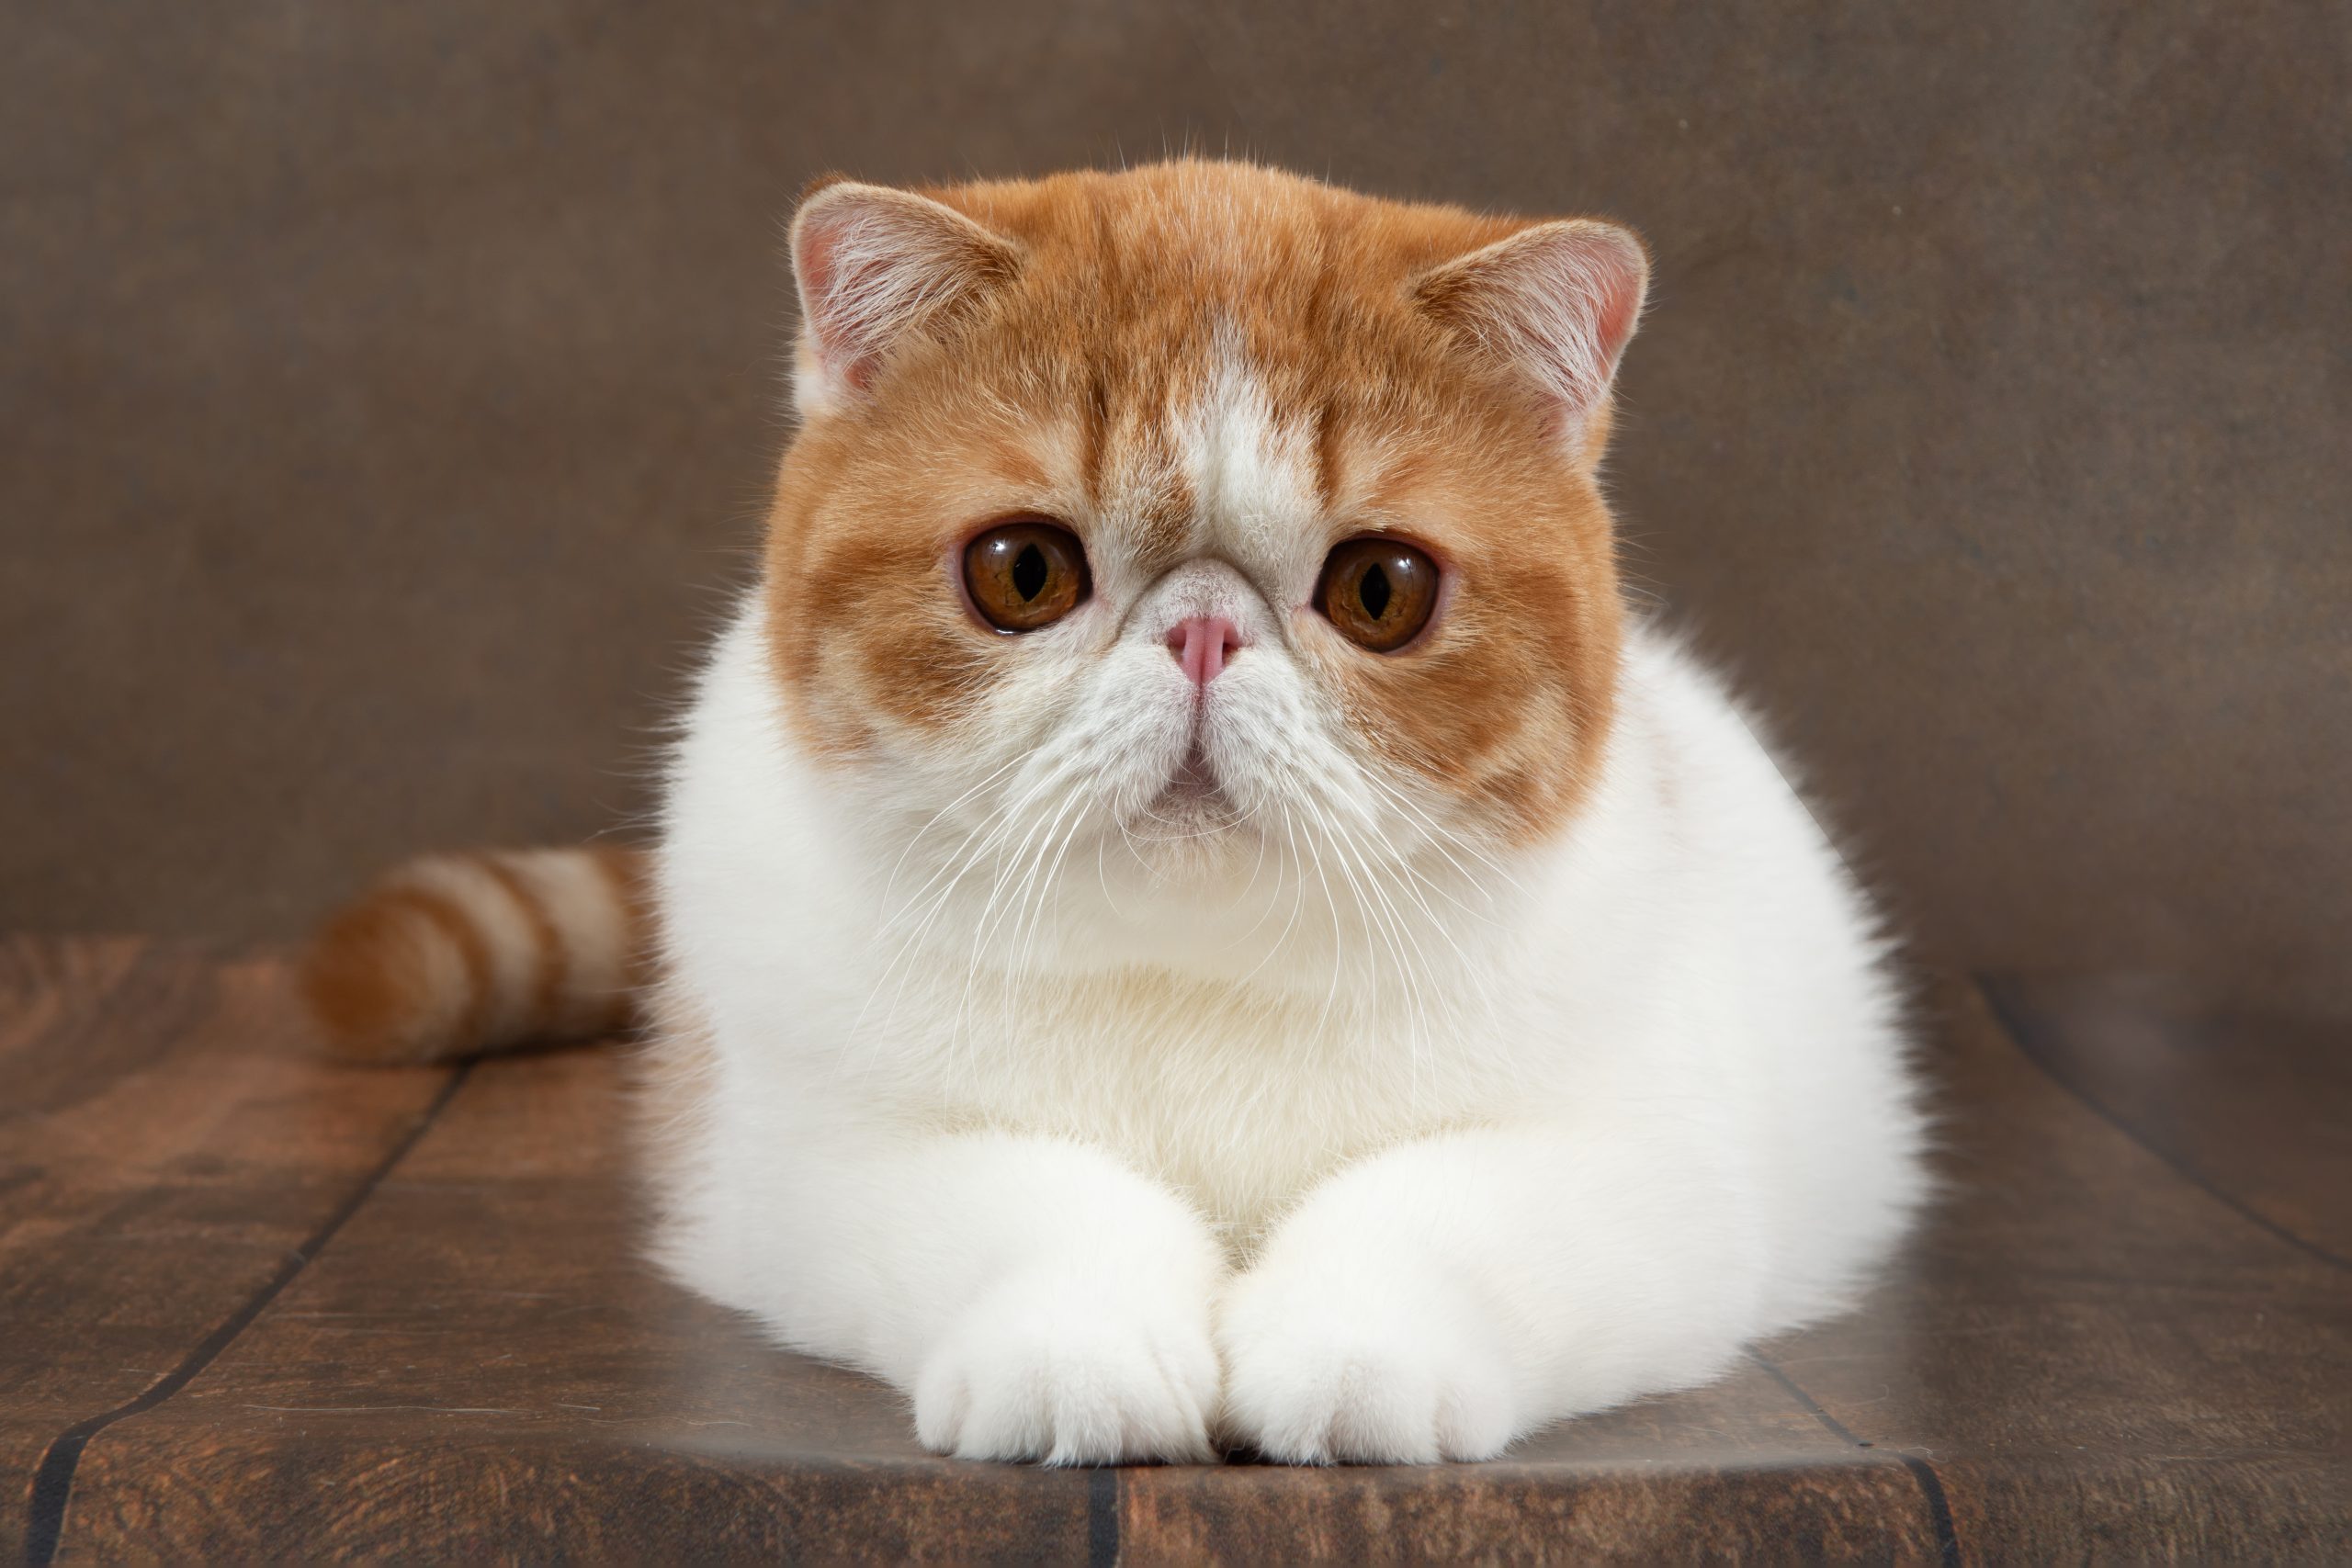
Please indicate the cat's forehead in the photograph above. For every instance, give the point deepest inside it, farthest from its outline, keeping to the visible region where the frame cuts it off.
(1213, 465)
(1217, 359)
(1188, 228)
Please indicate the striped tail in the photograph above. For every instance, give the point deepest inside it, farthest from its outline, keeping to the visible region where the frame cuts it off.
(461, 955)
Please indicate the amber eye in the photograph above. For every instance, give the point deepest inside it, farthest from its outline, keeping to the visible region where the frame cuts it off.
(1378, 592)
(1025, 575)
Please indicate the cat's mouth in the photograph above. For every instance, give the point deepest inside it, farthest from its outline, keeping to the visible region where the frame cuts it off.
(1196, 776)
(1194, 799)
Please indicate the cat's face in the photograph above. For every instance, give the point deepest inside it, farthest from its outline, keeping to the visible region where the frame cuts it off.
(1199, 523)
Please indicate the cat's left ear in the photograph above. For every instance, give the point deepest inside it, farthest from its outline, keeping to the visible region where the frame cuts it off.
(876, 267)
(1559, 303)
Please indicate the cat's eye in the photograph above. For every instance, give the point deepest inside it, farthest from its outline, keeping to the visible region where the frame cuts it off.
(1025, 575)
(1379, 593)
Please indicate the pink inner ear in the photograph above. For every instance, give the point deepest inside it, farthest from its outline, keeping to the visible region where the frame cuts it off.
(1559, 299)
(873, 264)
(813, 259)
(1618, 302)
(846, 257)
(1578, 294)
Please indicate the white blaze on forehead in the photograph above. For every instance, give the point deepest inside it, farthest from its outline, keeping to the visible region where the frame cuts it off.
(1254, 479)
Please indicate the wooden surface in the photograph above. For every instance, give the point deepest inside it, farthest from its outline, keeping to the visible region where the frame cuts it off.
(252, 1306)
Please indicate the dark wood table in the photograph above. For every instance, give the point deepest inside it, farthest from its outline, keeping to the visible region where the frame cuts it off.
(255, 1306)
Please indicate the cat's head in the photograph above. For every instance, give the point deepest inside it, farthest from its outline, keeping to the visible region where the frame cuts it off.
(1197, 523)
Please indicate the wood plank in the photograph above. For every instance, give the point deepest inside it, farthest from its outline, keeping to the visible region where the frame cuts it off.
(2087, 1354)
(482, 1366)
(2253, 1103)
(167, 1155)
(2097, 1358)
(1622, 1508)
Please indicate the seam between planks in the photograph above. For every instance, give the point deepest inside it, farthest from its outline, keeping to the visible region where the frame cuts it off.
(1923, 1475)
(1102, 1519)
(53, 1487)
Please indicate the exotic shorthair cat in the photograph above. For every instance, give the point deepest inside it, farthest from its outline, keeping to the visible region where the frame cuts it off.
(1188, 911)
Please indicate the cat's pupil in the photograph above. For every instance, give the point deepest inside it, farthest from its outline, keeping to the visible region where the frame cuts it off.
(1374, 592)
(1029, 572)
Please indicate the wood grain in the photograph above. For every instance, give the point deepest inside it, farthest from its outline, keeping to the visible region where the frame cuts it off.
(2087, 1354)
(482, 1367)
(2253, 1103)
(2099, 1358)
(167, 1156)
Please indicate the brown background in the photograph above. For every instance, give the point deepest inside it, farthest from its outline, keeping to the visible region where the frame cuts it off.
(386, 396)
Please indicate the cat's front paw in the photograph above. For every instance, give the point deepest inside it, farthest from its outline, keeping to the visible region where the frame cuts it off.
(1053, 1368)
(1402, 1372)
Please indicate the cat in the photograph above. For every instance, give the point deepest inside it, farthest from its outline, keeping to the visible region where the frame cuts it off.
(1191, 913)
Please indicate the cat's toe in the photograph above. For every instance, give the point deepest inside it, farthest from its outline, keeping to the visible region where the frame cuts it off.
(1314, 1379)
(1029, 1377)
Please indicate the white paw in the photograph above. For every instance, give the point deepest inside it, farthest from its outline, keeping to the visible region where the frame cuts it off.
(1319, 1374)
(1049, 1367)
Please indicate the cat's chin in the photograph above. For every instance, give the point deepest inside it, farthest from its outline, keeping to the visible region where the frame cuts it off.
(1193, 831)
(1193, 824)
(1173, 828)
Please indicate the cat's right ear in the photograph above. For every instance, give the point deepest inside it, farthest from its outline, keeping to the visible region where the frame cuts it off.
(873, 265)
(1557, 300)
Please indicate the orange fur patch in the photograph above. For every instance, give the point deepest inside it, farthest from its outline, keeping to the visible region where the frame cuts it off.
(1059, 388)
(395, 973)
(421, 966)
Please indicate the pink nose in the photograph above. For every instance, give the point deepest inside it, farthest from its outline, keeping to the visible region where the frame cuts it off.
(1202, 644)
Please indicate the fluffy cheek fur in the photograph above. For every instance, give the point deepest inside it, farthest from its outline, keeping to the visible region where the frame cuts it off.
(1502, 713)
(1490, 725)
(869, 636)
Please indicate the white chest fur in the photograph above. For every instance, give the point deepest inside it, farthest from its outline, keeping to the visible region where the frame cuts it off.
(1686, 997)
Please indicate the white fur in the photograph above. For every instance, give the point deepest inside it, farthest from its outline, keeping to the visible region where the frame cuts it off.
(1100, 1126)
